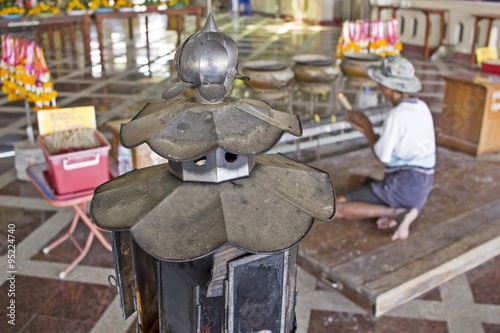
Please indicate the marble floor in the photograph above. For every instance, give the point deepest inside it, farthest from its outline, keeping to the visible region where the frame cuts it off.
(136, 72)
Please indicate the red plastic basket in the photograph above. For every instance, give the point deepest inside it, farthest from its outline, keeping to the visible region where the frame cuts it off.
(80, 170)
(491, 66)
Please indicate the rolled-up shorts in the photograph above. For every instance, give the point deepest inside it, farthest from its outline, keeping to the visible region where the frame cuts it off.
(402, 187)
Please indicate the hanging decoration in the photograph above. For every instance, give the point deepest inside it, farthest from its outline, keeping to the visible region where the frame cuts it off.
(375, 37)
(24, 73)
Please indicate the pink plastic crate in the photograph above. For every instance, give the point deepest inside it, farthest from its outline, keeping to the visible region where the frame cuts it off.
(80, 170)
(491, 66)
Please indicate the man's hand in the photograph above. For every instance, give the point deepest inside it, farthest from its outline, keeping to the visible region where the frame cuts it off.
(360, 122)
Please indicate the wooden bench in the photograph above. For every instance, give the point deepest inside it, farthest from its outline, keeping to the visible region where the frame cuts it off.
(428, 12)
(475, 35)
(458, 229)
(36, 26)
(177, 12)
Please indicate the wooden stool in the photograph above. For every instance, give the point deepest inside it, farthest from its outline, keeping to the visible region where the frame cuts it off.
(477, 18)
(428, 13)
(178, 12)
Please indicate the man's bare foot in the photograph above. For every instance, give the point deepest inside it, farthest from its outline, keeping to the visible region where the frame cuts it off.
(387, 222)
(403, 230)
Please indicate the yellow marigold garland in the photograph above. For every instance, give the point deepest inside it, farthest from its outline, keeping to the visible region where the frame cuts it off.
(75, 5)
(96, 4)
(7, 8)
(123, 4)
(43, 7)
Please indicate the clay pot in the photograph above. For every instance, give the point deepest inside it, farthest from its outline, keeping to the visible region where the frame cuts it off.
(314, 68)
(268, 74)
(355, 65)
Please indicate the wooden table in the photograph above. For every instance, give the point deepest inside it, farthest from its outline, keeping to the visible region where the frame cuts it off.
(49, 24)
(458, 229)
(101, 17)
(428, 12)
(78, 201)
(470, 121)
(477, 19)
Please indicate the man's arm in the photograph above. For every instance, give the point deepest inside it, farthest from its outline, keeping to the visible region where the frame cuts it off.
(362, 123)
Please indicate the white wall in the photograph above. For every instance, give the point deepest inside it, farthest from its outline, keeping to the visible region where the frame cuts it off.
(459, 15)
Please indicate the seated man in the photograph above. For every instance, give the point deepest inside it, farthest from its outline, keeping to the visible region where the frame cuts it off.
(406, 147)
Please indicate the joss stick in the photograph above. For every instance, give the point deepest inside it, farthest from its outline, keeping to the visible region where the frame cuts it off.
(344, 102)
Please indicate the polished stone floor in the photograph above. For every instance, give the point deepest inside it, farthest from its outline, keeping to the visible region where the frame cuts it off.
(135, 73)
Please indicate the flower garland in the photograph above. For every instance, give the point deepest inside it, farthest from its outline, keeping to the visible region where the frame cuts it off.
(123, 4)
(10, 7)
(177, 3)
(376, 37)
(75, 5)
(96, 4)
(24, 73)
(44, 8)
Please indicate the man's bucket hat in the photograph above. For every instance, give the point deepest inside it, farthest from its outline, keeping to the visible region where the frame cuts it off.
(396, 73)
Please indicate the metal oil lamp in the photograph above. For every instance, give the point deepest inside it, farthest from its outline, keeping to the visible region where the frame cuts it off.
(208, 242)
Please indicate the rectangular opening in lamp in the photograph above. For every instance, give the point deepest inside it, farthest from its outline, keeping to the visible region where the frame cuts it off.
(258, 293)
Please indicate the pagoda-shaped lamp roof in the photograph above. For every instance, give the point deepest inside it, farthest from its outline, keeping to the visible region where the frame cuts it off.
(217, 188)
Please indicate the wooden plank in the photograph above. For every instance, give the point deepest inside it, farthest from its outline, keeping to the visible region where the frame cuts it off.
(458, 225)
(457, 258)
(420, 276)
(415, 268)
(461, 184)
(332, 243)
(375, 264)
(338, 241)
